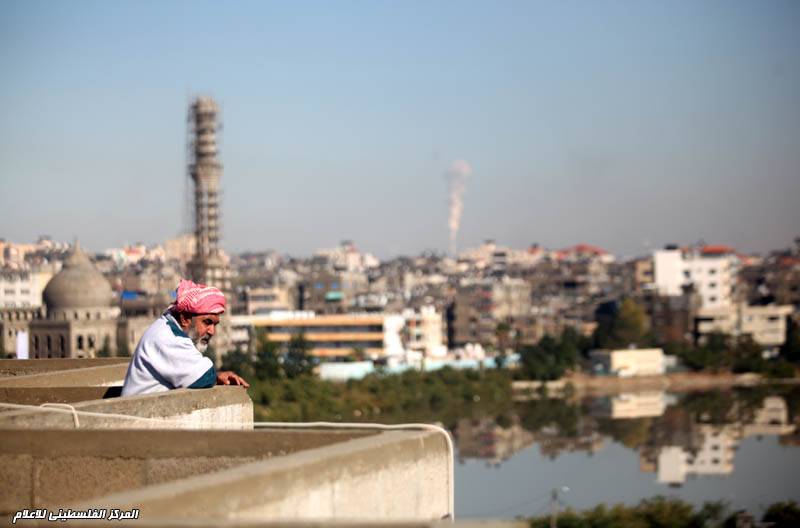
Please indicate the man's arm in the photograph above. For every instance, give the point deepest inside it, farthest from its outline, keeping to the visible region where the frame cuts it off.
(206, 381)
(231, 378)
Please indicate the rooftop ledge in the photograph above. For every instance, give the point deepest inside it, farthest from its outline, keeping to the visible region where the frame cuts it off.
(181, 471)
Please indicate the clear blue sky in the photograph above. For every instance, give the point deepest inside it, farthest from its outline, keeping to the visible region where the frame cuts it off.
(623, 124)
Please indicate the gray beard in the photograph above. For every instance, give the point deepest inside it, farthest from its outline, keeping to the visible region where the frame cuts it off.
(199, 344)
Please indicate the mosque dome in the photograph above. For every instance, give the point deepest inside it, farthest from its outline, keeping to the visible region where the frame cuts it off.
(77, 285)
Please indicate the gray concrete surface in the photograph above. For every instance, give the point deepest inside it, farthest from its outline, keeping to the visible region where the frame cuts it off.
(217, 408)
(52, 468)
(40, 395)
(22, 367)
(394, 475)
(95, 376)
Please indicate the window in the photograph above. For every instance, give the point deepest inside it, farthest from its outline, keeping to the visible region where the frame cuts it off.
(61, 343)
(712, 299)
(712, 271)
(712, 284)
(80, 343)
(49, 343)
(91, 342)
(35, 343)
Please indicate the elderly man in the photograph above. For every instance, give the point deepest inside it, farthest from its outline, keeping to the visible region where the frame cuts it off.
(169, 355)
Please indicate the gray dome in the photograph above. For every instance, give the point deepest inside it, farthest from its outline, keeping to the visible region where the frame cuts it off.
(77, 285)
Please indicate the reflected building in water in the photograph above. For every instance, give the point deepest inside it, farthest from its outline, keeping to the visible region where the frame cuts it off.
(486, 440)
(633, 405)
(710, 449)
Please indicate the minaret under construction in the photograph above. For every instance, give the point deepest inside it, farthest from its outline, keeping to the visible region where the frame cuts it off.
(209, 265)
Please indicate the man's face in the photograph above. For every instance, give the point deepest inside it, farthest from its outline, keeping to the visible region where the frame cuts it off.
(201, 329)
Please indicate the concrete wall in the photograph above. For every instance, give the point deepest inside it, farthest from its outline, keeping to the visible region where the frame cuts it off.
(393, 475)
(53, 469)
(220, 407)
(23, 367)
(99, 376)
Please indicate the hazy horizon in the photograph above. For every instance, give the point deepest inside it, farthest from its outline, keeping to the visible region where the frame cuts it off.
(628, 125)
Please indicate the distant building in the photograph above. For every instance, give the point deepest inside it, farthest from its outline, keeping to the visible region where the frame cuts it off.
(481, 305)
(265, 300)
(672, 317)
(80, 318)
(330, 336)
(425, 331)
(710, 270)
(766, 325)
(181, 248)
(330, 292)
(22, 288)
(627, 363)
(14, 327)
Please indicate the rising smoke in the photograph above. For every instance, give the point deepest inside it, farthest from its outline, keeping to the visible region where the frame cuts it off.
(456, 181)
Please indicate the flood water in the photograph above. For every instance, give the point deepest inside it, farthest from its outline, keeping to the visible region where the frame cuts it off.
(740, 446)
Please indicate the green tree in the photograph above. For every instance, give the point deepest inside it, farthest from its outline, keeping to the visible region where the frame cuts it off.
(783, 515)
(550, 358)
(239, 362)
(629, 326)
(503, 335)
(298, 362)
(267, 363)
(211, 354)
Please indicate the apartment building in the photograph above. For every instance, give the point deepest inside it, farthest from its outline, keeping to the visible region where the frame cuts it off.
(710, 270)
(330, 335)
(766, 325)
(22, 288)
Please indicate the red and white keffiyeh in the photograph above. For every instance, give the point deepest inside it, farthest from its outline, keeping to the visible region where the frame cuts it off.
(199, 299)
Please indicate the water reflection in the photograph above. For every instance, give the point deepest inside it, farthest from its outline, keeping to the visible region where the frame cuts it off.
(676, 437)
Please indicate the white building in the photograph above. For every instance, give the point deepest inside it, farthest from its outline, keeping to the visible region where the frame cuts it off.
(330, 336)
(711, 270)
(22, 289)
(424, 331)
(627, 363)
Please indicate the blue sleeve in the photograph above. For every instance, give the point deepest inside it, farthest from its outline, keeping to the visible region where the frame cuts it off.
(206, 381)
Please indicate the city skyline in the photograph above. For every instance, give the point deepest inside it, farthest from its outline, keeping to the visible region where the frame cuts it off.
(628, 128)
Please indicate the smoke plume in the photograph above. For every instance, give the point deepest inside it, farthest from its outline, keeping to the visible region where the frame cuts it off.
(456, 181)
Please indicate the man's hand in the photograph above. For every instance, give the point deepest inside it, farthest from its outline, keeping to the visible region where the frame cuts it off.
(231, 378)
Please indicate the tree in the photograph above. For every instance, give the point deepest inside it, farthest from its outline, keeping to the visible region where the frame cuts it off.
(267, 364)
(550, 358)
(238, 361)
(297, 361)
(502, 333)
(629, 326)
(211, 354)
(783, 514)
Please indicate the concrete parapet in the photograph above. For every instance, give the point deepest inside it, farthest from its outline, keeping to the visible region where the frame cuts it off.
(93, 376)
(391, 475)
(52, 469)
(40, 395)
(217, 408)
(24, 367)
